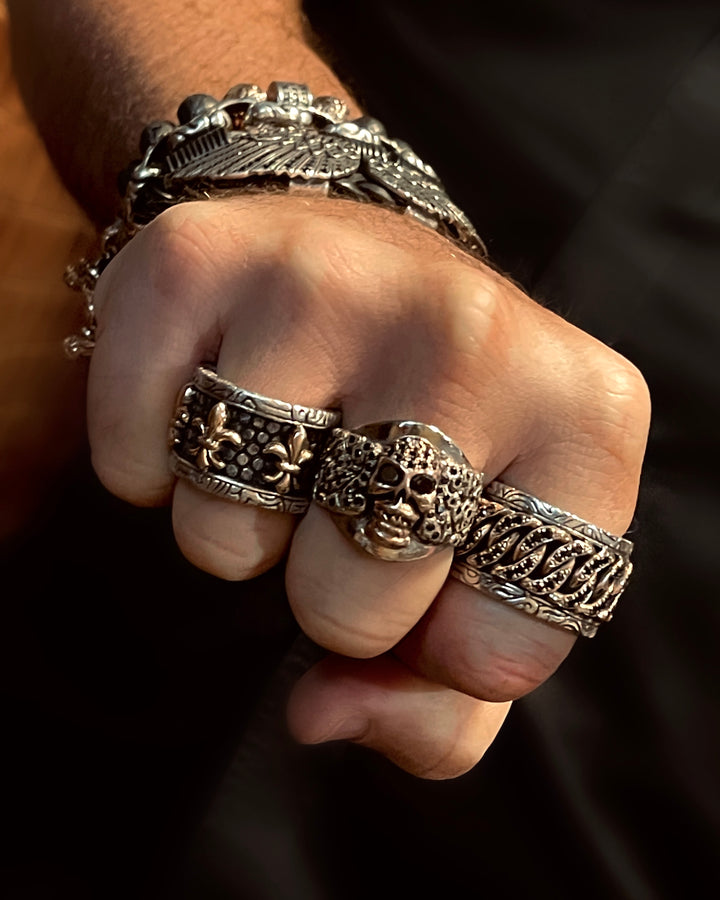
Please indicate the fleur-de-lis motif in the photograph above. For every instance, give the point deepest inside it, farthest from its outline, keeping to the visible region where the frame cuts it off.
(213, 435)
(290, 460)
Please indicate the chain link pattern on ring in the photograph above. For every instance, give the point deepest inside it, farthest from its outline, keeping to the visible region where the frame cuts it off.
(544, 561)
(252, 139)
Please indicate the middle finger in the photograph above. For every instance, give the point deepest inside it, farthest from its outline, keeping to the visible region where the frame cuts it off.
(453, 376)
(524, 394)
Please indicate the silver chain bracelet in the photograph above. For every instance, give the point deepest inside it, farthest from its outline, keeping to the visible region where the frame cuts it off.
(253, 139)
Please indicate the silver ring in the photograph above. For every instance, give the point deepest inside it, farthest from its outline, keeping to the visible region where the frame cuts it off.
(544, 561)
(245, 447)
(400, 490)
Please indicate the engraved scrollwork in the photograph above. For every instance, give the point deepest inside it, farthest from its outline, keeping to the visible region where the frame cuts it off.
(207, 379)
(521, 501)
(514, 596)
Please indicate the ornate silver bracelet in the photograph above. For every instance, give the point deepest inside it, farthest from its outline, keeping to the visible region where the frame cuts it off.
(253, 139)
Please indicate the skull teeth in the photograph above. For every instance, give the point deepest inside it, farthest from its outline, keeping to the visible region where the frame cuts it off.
(398, 521)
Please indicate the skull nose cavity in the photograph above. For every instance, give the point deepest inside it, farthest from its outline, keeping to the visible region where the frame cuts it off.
(398, 507)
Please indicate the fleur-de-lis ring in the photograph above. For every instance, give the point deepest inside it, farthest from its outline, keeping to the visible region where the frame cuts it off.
(211, 437)
(291, 459)
(246, 447)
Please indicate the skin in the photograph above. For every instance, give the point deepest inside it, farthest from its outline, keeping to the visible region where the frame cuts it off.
(328, 303)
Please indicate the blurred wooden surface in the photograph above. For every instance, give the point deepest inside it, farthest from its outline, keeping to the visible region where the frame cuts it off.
(41, 392)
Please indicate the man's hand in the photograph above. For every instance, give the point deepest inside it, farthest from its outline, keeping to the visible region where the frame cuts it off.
(332, 303)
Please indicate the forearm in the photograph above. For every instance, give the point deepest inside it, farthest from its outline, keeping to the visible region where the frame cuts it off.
(94, 73)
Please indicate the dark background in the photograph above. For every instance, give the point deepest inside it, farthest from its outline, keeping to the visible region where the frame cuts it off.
(144, 753)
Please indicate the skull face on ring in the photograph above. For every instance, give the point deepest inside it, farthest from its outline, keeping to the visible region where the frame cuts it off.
(403, 488)
(400, 490)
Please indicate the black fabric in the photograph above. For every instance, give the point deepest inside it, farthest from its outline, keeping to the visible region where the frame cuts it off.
(146, 752)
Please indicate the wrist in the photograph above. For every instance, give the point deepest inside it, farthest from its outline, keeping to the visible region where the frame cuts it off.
(92, 74)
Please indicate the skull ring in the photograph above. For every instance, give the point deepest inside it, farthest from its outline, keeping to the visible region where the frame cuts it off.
(400, 490)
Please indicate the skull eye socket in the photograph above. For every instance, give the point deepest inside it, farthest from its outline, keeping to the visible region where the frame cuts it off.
(422, 484)
(389, 474)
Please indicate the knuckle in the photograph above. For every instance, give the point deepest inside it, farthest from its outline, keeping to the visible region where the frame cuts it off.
(128, 457)
(322, 285)
(179, 255)
(211, 553)
(345, 638)
(474, 728)
(621, 409)
(232, 541)
(134, 480)
(485, 649)
(473, 334)
(321, 252)
(471, 309)
(452, 762)
(626, 388)
(498, 676)
(348, 268)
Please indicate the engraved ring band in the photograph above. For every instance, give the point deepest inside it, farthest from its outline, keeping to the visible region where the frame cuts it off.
(245, 447)
(543, 560)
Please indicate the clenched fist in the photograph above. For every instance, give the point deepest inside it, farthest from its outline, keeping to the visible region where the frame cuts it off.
(331, 303)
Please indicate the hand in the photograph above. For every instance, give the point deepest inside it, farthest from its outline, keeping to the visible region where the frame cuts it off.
(331, 303)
